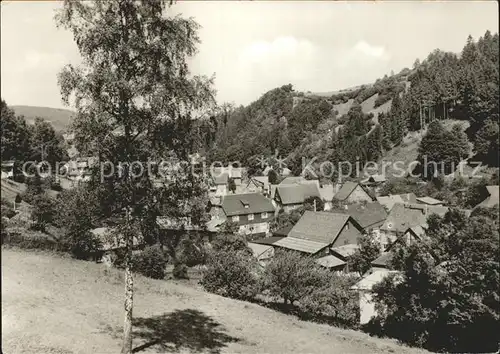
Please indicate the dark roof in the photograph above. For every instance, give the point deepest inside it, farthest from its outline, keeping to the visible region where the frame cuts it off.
(284, 231)
(267, 240)
(319, 227)
(243, 204)
(367, 215)
(346, 190)
(403, 216)
(297, 193)
(383, 260)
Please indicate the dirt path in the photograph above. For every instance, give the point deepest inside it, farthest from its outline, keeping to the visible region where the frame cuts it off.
(56, 305)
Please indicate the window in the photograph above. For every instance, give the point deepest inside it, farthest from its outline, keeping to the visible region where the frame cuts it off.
(236, 218)
(264, 215)
(250, 216)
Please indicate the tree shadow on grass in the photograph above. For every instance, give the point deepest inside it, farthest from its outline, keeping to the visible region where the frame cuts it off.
(182, 329)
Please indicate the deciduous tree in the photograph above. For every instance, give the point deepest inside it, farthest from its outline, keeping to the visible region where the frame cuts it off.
(135, 101)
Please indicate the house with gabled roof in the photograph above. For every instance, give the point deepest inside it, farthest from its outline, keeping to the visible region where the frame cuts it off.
(292, 196)
(370, 216)
(413, 235)
(316, 232)
(405, 216)
(7, 169)
(389, 200)
(252, 212)
(374, 182)
(259, 184)
(352, 192)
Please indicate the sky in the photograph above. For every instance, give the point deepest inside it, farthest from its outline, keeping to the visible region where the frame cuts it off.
(253, 47)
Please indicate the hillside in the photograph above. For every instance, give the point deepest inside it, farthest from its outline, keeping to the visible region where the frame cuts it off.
(370, 121)
(59, 305)
(59, 118)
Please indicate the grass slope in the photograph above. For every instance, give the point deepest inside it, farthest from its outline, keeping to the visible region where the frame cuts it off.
(53, 305)
(60, 118)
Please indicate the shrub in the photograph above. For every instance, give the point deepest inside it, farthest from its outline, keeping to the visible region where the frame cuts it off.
(291, 276)
(7, 211)
(192, 252)
(43, 211)
(231, 244)
(231, 274)
(82, 244)
(151, 262)
(180, 271)
(333, 301)
(32, 240)
(3, 228)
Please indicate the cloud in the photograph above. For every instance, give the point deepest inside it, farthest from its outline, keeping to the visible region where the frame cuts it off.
(370, 50)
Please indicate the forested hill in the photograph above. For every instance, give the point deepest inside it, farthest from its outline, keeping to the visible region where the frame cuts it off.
(59, 118)
(370, 120)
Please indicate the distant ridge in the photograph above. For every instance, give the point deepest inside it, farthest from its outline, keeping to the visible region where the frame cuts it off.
(58, 117)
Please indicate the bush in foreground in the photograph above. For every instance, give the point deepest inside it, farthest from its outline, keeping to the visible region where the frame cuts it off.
(334, 301)
(151, 262)
(291, 276)
(231, 274)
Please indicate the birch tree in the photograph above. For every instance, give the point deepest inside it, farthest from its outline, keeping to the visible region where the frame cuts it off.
(135, 101)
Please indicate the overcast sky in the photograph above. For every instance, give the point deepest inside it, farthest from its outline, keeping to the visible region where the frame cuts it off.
(253, 47)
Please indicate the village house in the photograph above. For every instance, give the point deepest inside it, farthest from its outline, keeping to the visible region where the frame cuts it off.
(332, 262)
(429, 201)
(370, 216)
(374, 182)
(404, 216)
(492, 199)
(364, 288)
(352, 192)
(252, 212)
(292, 196)
(259, 184)
(316, 232)
(7, 169)
(220, 184)
(338, 257)
(220, 180)
(413, 235)
(262, 253)
(389, 201)
(215, 207)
